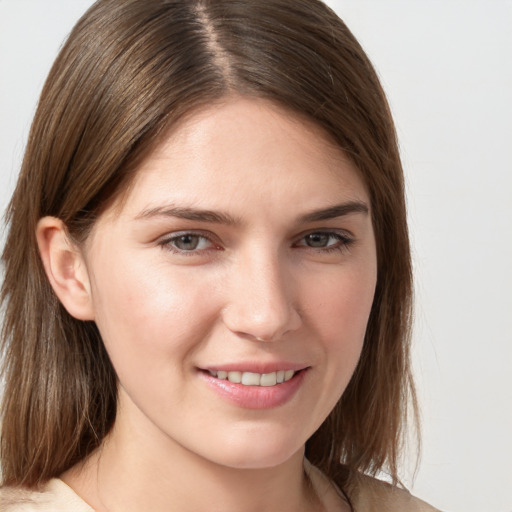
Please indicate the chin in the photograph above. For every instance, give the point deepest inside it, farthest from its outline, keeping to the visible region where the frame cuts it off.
(258, 461)
(260, 452)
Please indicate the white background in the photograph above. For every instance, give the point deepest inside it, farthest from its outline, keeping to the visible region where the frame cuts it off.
(447, 68)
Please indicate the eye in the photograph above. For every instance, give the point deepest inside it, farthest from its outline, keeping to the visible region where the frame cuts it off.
(319, 240)
(187, 243)
(325, 240)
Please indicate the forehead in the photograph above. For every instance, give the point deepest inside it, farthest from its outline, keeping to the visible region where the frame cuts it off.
(244, 152)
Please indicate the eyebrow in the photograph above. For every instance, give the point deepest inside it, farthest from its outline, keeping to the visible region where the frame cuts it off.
(332, 212)
(182, 212)
(218, 217)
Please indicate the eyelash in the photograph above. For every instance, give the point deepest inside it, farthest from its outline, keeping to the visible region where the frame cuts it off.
(343, 242)
(167, 243)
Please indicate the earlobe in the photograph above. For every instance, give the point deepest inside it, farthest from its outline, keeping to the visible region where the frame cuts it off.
(65, 267)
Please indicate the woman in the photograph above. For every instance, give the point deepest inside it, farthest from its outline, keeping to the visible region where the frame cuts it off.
(207, 286)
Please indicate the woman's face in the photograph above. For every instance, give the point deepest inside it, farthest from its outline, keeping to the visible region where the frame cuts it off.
(243, 251)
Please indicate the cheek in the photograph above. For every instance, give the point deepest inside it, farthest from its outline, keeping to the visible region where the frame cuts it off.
(144, 313)
(337, 314)
(340, 304)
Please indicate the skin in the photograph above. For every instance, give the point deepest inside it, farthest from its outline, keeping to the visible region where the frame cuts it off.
(269, 286)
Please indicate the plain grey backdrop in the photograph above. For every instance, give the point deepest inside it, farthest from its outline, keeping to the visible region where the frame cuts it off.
(447, 69)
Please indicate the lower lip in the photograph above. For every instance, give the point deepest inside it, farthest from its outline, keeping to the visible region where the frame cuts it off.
(256, 397)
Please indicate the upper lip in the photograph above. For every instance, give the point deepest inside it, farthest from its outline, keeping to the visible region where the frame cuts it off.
(256, 367)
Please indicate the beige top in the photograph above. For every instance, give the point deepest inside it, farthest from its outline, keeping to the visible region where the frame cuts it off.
(371, 496)
(55, 496)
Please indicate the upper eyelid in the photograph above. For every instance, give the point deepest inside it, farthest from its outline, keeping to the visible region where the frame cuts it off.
(193, 232)
(327, 231)
(209, 234)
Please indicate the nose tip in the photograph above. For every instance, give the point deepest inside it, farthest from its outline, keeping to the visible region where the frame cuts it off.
(269, 325)
(261, 305)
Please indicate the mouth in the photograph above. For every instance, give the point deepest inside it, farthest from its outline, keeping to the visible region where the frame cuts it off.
(253, 390)
(254, 379)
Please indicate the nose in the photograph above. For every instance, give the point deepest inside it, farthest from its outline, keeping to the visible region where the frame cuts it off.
(261, 305)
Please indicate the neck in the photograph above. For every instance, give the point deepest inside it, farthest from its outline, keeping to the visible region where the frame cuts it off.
(137, 470)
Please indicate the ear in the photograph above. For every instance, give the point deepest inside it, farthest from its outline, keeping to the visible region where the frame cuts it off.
(65, 267)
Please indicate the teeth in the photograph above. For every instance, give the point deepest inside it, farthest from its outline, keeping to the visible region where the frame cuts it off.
(268, 379)
(254, 379)
(235, 377)
(251, 379)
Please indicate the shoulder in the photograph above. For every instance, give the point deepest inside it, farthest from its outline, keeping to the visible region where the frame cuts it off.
(55, 495)
(372, 495)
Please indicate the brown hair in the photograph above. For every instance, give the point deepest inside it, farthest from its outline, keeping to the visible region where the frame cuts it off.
(128, 70)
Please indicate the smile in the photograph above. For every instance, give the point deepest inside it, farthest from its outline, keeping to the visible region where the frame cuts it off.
(253, 390)
(254, 379)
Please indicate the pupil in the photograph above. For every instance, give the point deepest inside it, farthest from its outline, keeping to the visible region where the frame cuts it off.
(187, 242)
(318, 240)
